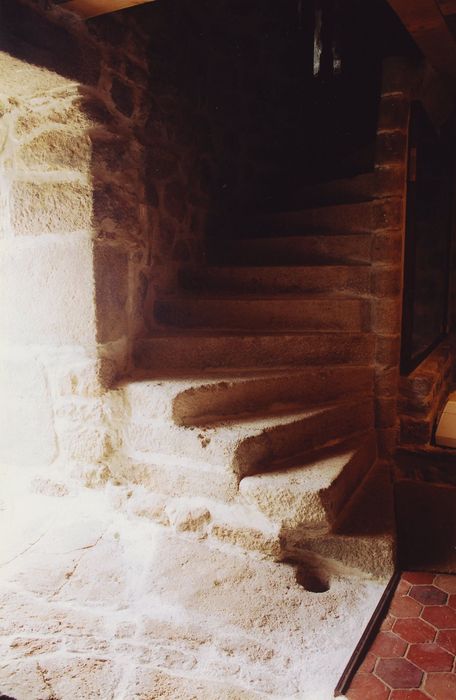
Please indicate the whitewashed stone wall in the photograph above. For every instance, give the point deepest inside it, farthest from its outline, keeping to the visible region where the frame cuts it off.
(73, 231)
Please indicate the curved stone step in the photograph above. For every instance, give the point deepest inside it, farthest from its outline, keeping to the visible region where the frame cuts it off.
(308, 313)
(245, 447)
(206, 401)
(382, 182)
(360, 218)
(353, 249)
(363, 539)
(349, 190)
(226, 351)
(311, 495)
(276, 280)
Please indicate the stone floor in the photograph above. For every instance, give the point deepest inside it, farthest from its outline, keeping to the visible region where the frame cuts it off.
(413, 656)
(99, 603)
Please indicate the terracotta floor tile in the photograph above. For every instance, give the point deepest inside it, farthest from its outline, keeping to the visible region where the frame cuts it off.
(367, 665)
(418, 577)
(403, 587)
(440, 616)
(398, 673)
(413, 655)
(404, 606)
(414, 630)
(388, 644)
(367, 687)
(447, 640)
(428, 595)
(446, 582)
(408, 695)
(441, 686)
(430, 657)
(452, 601)
(388, 623)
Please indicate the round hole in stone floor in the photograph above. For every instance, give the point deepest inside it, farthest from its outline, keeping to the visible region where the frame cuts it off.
(312, 581)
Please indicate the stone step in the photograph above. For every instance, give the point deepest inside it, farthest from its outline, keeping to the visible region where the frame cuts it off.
(364, 547)
(352, 279)
(310, 496)
(360, 218)
(228, 351)
(246, 447)
(308, 313)
(363, 539)
(340, 250)
(205, 400)
(349, 190)
(380, 183)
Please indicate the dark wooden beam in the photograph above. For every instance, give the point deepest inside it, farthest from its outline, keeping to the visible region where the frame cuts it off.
(426, 24)
(93, 8)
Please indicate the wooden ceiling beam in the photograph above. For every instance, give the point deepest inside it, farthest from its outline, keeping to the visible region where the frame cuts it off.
(426, 24)
(93, 8)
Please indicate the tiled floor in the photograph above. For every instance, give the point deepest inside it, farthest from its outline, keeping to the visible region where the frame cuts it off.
(413, 655)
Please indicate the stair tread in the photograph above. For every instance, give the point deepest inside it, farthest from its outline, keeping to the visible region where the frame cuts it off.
(256, 268)
(254, 423)
(311, 496)
(233, 333)
(217, 375)
(293, 237)
(310, 207)
(316, 471)
(251, 298)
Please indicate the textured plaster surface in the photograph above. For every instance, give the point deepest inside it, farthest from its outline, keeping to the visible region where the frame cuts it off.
(99, 603)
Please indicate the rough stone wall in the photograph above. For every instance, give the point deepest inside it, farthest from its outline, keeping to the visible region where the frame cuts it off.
(406, 407)
(422, 394)
(72, 227)
(388, 246)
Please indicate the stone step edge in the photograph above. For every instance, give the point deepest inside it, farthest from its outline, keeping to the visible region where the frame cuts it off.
(259, 423)
(241, 374)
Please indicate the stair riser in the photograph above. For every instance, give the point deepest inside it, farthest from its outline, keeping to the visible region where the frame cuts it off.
(339, 554)
(210, 404)
(341, 490)
(259, 454)
(268, 314)
(270, 281)
(172, 480)
(384, 182)
(229, 352)
(207, 403)
(306, 250)
(363, 217)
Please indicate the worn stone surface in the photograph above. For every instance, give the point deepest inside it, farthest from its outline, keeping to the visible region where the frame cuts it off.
(39, 208)
(57, 150)
(27, 435)
(422, 394)
(47, 291)
(111, 295)
(98, 603)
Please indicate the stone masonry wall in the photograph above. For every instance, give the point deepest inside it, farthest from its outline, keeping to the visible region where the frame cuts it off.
(388, 245)
(422, 395)
(73, 223)
(406, 407)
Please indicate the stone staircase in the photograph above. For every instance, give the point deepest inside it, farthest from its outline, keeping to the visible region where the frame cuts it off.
(251, 413)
